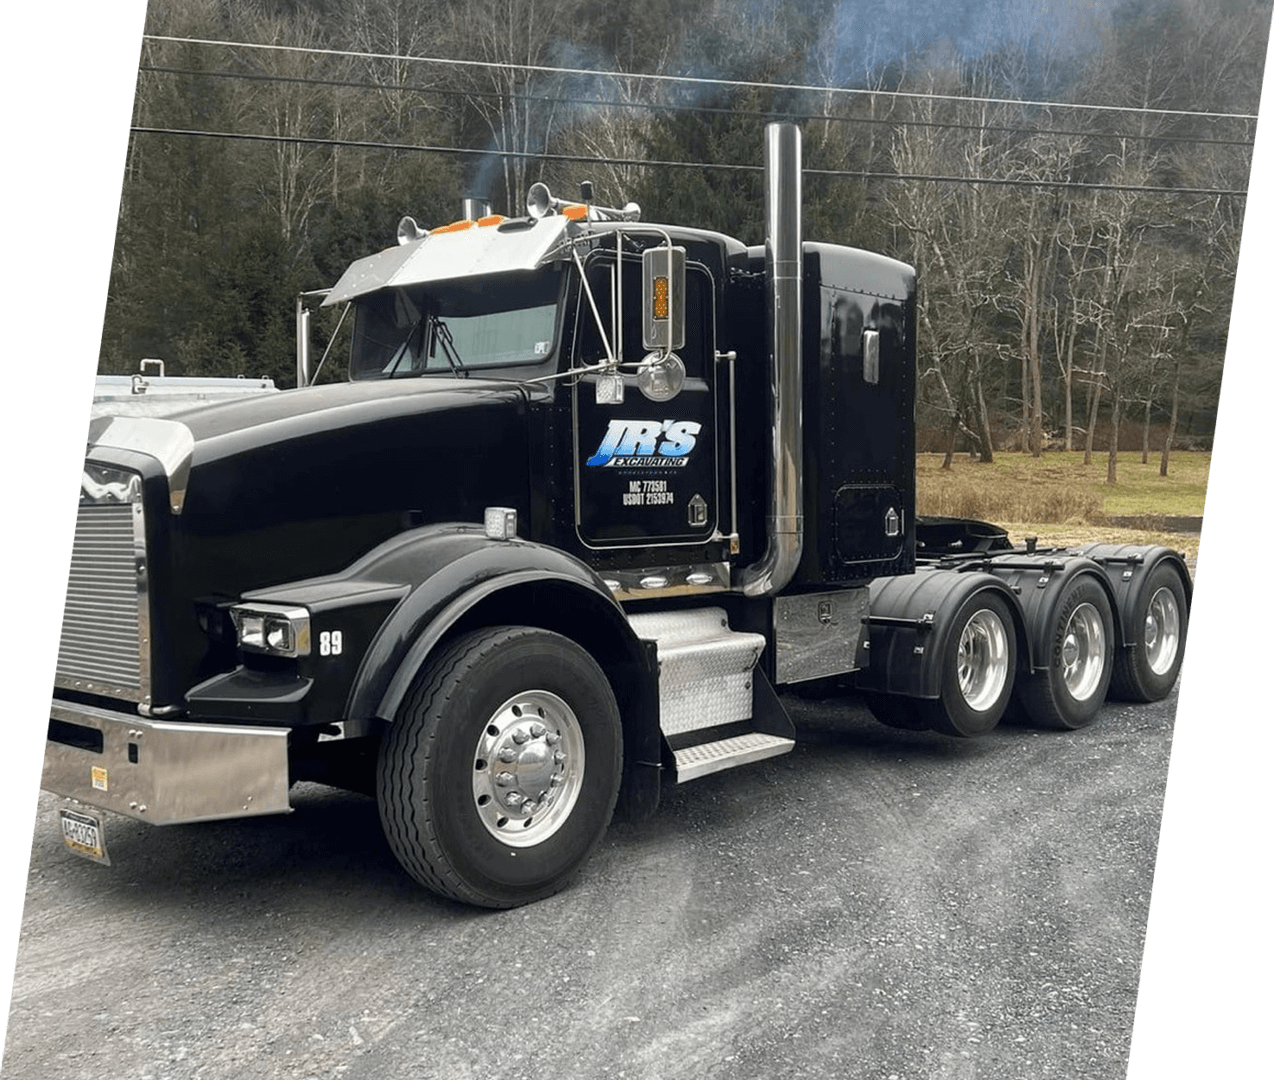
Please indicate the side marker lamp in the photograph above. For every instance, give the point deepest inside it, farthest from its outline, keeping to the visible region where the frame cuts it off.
(661, 297)
(500, 523)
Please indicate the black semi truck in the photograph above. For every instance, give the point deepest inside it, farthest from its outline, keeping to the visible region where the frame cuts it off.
(594, 491)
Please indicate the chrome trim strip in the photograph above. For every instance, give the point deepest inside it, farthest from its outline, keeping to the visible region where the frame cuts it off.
(664, 581)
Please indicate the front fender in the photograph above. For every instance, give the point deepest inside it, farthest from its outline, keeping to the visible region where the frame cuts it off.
(390, 608)
(395, 605)
(468, 581)
(473, 582)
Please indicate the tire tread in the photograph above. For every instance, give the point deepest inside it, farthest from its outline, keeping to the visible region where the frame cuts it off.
(412, 742)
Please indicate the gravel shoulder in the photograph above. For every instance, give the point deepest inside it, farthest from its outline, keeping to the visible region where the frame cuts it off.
(878, 903)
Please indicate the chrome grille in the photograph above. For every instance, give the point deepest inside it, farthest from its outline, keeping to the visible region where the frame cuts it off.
(104, 625)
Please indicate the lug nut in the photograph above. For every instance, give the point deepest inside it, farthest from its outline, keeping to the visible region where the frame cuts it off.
(537, 730)
(504, 779)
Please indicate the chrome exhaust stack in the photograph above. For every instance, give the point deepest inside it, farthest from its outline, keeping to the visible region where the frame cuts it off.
(785, 526)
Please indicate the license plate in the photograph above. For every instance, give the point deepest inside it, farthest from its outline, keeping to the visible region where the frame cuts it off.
(85, 835)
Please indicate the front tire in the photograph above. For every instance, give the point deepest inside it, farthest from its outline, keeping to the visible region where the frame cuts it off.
(499, 775)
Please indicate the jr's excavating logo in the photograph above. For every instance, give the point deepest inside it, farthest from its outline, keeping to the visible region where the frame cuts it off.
(658, 444)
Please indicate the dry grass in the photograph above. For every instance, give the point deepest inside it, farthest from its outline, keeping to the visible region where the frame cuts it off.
(1058, 488)
(1060, 501)
(1046, 495)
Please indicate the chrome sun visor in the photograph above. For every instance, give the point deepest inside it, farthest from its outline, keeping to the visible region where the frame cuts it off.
(517, 244)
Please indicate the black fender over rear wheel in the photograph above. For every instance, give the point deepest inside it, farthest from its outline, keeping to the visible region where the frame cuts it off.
(978, 663)
(1070, 691)
(499, 775)
(976, 670)
(1147, 669)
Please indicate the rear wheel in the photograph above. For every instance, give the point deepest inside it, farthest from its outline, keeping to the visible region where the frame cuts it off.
(499, 775)
(976, 678)
(1069, 693)
(978, 664)
(1148, 669)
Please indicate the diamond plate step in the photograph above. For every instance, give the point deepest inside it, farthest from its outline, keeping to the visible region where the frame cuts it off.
(696, 761)
(705, 668)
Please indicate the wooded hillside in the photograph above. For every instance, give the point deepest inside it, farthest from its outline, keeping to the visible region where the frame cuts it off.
(1081, 284)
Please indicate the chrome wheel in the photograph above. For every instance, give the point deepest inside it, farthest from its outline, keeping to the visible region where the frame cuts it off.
(528, 768)
(1083, 652)
(1163, 631)
(982, 662)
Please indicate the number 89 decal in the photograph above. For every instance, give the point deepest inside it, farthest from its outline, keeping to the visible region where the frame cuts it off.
(330, 643)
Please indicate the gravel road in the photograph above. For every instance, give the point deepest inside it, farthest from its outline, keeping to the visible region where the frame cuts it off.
(876, 904)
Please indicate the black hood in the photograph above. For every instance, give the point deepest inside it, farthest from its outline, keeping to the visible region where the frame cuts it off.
(291, 485)
(420, 449)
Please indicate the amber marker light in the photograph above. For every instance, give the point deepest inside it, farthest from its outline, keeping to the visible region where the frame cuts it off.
(661, 298)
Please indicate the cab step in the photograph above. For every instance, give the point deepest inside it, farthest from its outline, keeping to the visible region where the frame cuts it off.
(705, 668)
(710, 757)
(706, 692)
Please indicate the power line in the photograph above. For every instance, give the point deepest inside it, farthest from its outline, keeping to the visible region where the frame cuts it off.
(689, 109)
(687, 80)
(702, 165)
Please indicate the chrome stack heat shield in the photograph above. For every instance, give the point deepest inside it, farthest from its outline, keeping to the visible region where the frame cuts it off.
(785, 524)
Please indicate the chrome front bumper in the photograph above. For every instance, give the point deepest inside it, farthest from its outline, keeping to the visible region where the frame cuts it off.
(163, 772)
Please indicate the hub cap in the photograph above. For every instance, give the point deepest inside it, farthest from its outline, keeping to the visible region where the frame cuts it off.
(1083, 652)
(982, 663)
(1163, 631)
(527, 768)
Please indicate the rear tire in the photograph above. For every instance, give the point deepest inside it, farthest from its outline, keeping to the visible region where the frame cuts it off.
(976, 677)
(499, 775)
(1147, 670)
(978, 665)
(1070, 692)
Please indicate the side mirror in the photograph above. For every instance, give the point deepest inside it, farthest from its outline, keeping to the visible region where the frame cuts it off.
(663, 298)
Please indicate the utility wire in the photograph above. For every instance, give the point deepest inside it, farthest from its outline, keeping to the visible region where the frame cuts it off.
(686, 80)
(702, 165)
(688, 109)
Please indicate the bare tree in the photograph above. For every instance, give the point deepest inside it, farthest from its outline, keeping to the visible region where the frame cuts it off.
(957, 247)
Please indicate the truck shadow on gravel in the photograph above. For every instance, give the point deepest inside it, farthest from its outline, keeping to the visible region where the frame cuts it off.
(328, 854)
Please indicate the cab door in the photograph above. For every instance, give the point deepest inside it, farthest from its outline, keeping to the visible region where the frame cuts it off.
(647, 473)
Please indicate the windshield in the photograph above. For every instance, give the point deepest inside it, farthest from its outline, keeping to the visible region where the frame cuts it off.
(456, 326)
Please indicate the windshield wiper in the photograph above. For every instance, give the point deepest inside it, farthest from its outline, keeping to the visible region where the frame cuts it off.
(404, 350)
(443, 334)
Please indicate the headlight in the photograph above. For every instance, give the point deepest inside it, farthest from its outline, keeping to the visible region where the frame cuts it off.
(272, 629)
